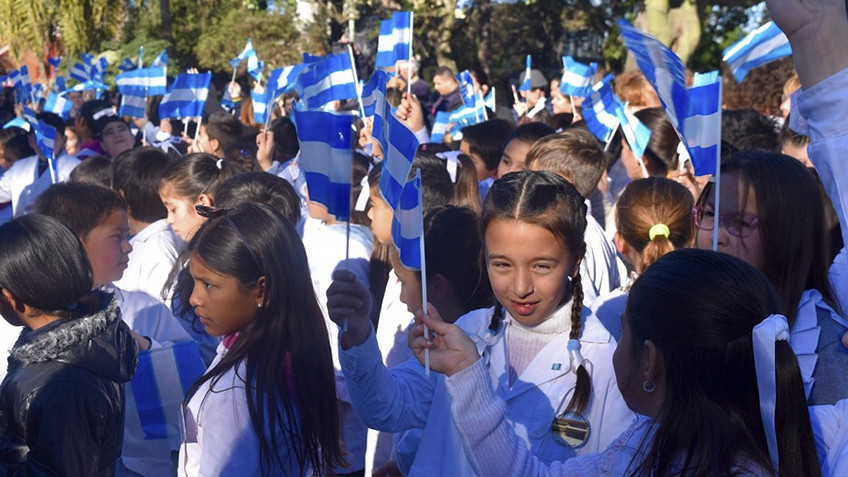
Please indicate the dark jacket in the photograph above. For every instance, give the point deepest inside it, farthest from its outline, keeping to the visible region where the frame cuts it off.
(62, 402)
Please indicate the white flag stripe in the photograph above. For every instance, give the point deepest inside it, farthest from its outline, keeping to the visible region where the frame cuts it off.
(336, 165)
(336, 78)
(760, 50)
(410, 223)
(702, 131)
(746, 41)
(168, 381)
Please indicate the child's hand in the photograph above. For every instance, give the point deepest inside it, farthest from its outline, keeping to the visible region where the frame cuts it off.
(451, 350)
(265, 149)
(409, 112)
(349, 303)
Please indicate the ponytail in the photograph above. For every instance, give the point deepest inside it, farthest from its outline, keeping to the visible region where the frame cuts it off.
(583, 388)
(466, 191)
(797, 452)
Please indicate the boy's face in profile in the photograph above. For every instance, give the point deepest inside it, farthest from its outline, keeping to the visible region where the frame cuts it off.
(108, 247)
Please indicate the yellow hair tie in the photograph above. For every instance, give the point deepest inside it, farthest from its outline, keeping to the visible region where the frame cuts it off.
(659, 229)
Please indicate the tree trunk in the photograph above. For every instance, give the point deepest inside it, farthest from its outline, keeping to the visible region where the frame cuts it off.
(444, 53)
(686, 27)
(165, 20)
(484, 47)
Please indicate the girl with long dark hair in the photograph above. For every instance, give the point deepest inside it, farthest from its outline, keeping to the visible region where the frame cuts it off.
(266, 405)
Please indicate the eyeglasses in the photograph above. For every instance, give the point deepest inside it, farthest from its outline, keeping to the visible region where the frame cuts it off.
(738, 224)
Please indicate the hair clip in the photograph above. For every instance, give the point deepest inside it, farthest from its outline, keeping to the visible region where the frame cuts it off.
(209, 212)
(219, 164)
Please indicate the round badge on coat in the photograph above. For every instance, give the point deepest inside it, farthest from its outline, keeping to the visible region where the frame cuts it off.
(570, 429)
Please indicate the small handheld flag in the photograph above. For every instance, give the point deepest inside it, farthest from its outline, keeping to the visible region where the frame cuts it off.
(260, 101)
(135, 86)
(80, 72)
(408, 224)
(58, 104)
(440, 127)
(576, 77)
(761, 46)
(161, 60)
(326, 80)
(525, 85)
(187, 96)
(599, 110)
(247, 52)
(326, 141)
(394, 43)
(45, 137)
(54, 61)
(703, 123)
(126, 65)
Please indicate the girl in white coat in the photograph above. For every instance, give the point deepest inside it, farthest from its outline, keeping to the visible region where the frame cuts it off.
(771, 216)
(703, 358)
(266, 405)
(538, 344)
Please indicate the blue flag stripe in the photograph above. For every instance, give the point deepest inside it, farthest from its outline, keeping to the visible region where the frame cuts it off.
(146, 393)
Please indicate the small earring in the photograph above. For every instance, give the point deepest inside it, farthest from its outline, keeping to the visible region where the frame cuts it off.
(648, 389)
(259, 305)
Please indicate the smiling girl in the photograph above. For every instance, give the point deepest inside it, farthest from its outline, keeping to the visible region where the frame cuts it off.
(538, 344)
(266, 405)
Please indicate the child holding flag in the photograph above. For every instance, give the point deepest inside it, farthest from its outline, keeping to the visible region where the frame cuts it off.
(533, 225)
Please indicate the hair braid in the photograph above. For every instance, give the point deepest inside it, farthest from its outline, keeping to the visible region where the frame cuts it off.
(583, 386)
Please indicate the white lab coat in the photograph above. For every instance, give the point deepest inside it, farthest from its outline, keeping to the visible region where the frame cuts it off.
(21, 186)
(325, 250)
(151, 318)
(405, 398)
(155, 249)
(220, 439)
(599, 269)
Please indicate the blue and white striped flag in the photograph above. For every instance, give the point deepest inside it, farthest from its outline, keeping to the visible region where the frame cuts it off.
(54, 61)
(466, 116)
(87, 58)
(703, 124)
(23, 85)
(408, 224)
(246, 53)
(80, 72)
(29, 115)
(395, 39)
(187, 96)
(440, 127)
(371, 93)
(98, 70)
(489, 100)
(161, 60)
(576, 77)
(326, 141)
(255, 67)
(326, 80)
(161, 381)
(135, 86)
(58, 104)
(763, 45)
(635, 132)
(528, 65)
(282, 80)
(466, 89)
(126, 65)
(662, 68)
(87, 86)
(60, 84)
(46, 138)
(599, 110)
(18, 123)
(399, 145)
(260, 105)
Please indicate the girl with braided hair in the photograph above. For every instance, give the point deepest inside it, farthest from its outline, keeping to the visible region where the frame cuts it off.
(549, 359)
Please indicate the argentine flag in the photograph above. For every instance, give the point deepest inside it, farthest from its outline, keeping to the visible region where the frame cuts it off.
(80, 72)
(325, 80)
(576, 77)
(662, 68)
(765, 44)
(282, 80)
(260, 105)
(135, 86)
(703, 123)
(247, 53)
(45, 136)
(326, 141)
(58, 104)
(408, 224)
(161, 60)
(399, 145)
(187, 97)
(440, 127)
(126, 65)
(395, 41)
(635, 132)
(528, 66)
(599, 110)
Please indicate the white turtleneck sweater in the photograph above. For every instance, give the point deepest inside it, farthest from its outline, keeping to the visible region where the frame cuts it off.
(524, 343)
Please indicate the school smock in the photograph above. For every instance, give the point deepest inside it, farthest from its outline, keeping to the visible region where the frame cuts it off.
(219, 437)
(817, 111)
(495, 449)
(599, 271)
(838, 274)
(392, 328)
(325, 251)
(21, 184)
(155, 250)
(152, 319)
(405, 398)
(830, 428)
